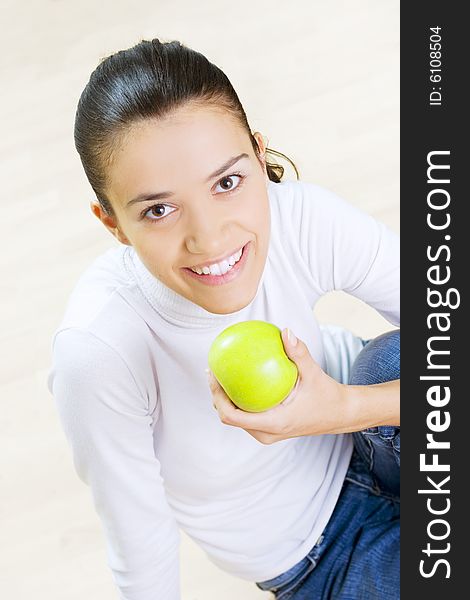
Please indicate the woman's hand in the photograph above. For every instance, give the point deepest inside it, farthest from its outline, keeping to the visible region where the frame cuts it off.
(316, 405)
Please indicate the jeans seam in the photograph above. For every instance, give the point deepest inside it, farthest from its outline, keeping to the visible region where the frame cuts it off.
(371, 454)
(313, 557)
(294, 583)
(290, 580)
(376, 490)
(362, 485)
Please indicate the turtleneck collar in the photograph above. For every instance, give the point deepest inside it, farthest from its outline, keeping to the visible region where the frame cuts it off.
(173, 307)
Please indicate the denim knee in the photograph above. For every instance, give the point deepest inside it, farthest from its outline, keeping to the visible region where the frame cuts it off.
(378, 361)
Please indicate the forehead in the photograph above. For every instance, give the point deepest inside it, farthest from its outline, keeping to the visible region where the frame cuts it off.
(187, 145)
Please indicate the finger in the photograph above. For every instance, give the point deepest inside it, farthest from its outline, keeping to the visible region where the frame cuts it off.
(214, 385)
(298, 352)
(220, 399)
(292, 393)
(270, 421)
(265, 438)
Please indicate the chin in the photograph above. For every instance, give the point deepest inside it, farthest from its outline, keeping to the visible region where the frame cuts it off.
(230, 306)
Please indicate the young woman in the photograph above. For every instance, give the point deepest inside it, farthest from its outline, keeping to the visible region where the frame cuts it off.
(301, 499)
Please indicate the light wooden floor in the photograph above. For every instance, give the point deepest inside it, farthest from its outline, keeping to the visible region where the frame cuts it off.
(319, 78)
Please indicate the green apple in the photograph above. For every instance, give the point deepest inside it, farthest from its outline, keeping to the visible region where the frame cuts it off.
(249, 362)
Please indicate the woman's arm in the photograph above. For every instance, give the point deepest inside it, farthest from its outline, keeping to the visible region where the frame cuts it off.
(347, 249)
(107, 424)
(373, 405)
(317, 405)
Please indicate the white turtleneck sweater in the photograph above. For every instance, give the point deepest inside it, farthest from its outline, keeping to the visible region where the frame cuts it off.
(129, 383)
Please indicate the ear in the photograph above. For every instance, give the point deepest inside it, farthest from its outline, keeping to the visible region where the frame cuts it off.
(109, 221)
(262, 145)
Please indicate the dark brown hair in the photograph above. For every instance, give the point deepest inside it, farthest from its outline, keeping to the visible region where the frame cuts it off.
(149, 80)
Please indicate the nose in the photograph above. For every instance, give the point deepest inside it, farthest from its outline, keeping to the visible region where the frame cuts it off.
(207, 231)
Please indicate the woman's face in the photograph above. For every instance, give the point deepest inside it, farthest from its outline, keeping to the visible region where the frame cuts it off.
(189, 194)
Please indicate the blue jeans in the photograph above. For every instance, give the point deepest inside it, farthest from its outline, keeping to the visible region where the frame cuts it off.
(358, 555)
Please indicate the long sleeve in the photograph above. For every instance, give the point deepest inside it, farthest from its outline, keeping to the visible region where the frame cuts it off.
(108, 426)
(347, 249)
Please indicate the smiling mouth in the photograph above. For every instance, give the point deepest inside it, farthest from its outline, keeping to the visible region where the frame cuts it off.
(221, 272)
(220, 267)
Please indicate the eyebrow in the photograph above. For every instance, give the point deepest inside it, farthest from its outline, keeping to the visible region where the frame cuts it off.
(161, 195)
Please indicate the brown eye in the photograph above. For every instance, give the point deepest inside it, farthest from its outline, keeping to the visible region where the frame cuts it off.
(157, 212)
(225, 181)
(230, 182)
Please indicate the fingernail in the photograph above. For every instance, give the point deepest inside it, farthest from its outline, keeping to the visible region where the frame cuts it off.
(291, 337)
(208, 374)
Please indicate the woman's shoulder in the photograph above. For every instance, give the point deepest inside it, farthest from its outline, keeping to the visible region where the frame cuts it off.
(298, 203)
(314, 212)
(291, 194)
(96, 304)
(101, 332)
(303, 210)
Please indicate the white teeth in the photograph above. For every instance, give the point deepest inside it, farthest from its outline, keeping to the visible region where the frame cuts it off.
(224, 266)
(219, 268)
